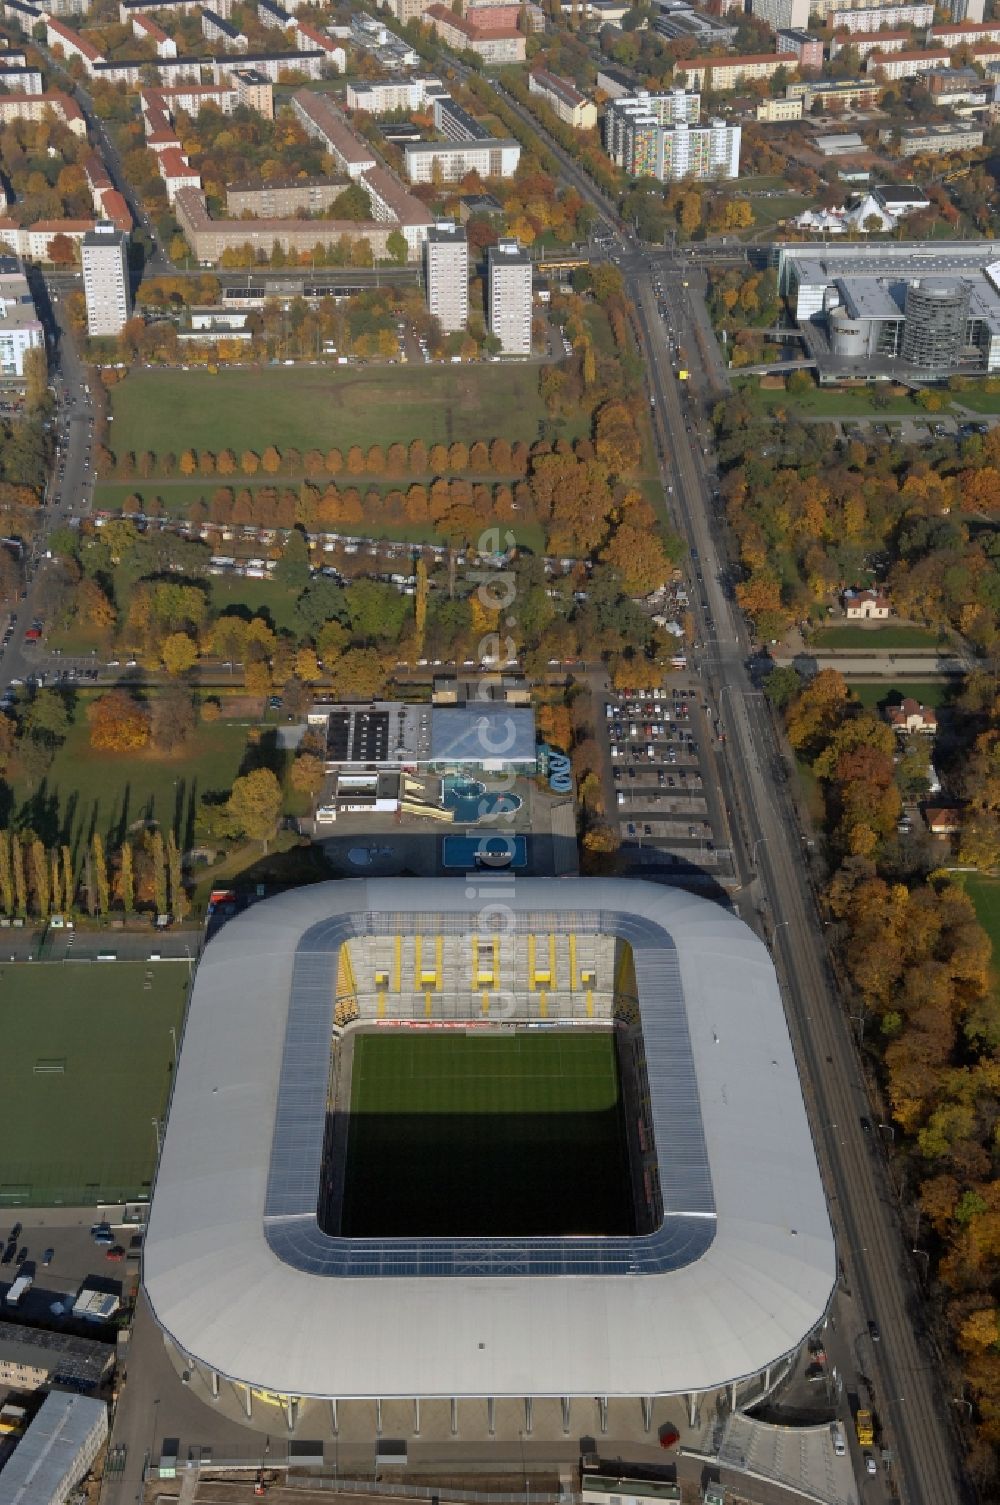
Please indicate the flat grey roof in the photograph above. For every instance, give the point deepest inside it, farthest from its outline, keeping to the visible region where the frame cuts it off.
(482, 733)
(239, 1273)
(36, 1473)
(67, 1358)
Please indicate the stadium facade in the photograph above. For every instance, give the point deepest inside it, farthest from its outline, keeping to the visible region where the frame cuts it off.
(736, 1266)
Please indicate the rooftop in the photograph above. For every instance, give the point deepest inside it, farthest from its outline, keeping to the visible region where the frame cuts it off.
(67, 1359)
(46, 1452)
(238, 1270)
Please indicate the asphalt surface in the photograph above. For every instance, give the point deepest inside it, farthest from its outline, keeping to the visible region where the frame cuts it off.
(881, 1277)
(902, 1371)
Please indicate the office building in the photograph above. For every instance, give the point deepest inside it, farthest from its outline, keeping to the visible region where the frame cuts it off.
(55, 1452)
(104, 256)
(939, 140)
(681, 23)
(446, 266)
(781, 14)
(20, 327)
(905, 310)
(509, 296)
(31, 1358)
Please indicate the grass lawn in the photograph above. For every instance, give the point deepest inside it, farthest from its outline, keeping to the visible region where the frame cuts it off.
(875, 639)
(855, 402)
(86, 791)
(261, 597)
(485, 1135)
(316, 406)
(935, 692)
(84, 1133)
(979, 402)
(985, 895)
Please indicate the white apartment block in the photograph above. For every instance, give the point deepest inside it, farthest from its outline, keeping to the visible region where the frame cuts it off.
(446, 268)
(449, 161)
(20, 327)
(896, 65)
(782, 15)
(509, 296)
(965, 10)
(864, 42)
(105, 280)
(641, 137)
(19, 79)
(963, 34)
(880, 17)
(724, 73)
(384, 95)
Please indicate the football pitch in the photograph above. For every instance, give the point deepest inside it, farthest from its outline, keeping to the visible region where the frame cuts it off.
(86, 1055)
(485, 1135)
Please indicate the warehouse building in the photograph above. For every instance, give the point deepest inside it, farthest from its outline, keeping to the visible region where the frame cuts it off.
(55, 1452)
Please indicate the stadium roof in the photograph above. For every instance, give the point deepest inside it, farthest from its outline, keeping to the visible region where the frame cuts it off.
(239, 1273)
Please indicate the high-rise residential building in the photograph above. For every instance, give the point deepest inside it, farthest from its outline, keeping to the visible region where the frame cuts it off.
(650, 136)
(965, 10)
(782, 14)
(509, 268)
(446, 261)
(104, 253)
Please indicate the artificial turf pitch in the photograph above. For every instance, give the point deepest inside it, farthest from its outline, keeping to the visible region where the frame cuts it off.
(485, 1135)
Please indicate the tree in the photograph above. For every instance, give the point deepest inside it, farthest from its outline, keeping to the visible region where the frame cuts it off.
(159, 871)
(178, 897)
(69, 882)
(308, 774)
(17, 872)
(126, 879)
(254, 806)
(179, 653)
(40, 878)
(118, 722)
(172, 722)
(99, 868)
(292, 569)
(271, 460)
(46, 717)
(249, 462)
(6, 879)
(396, 247)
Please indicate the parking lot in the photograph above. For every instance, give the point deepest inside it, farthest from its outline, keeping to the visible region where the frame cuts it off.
(669, 823)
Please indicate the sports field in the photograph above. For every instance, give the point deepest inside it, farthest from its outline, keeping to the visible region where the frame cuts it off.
(489, 1135)
(86, 1056)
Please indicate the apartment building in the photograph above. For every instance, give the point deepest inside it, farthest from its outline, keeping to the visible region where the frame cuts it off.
(52, 104)
(880, 17)
(721, 74)
(841, 93)
(806, 48)
(571, 107)
(446, 273)
(20, 331)
(509, 296)
(771, 111)
(210, 238)
(962, 33)
(254, 91)
(781, 13)
(69, 43)
(16, 76)
(494, 44)
(450, 161)
(104, 259)
(31, 1358)
(939, 140)
(273, 16)
(865, 42)
(384, 95)
(282, 198)
(669, 149)
(321, 119)
(310, 38)
(148, 30)
(215, 28)
(964, 10)
(896, 65)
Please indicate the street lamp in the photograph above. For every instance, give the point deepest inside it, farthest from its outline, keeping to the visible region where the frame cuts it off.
(891, 1128)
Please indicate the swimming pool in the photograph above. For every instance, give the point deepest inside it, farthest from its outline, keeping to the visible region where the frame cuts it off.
(469, 851)
(470, 801)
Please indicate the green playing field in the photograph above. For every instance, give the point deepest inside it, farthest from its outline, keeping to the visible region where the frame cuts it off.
(85, 1066)
(488, 1135)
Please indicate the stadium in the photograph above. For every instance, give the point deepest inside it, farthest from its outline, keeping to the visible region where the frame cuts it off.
(474, 1142)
